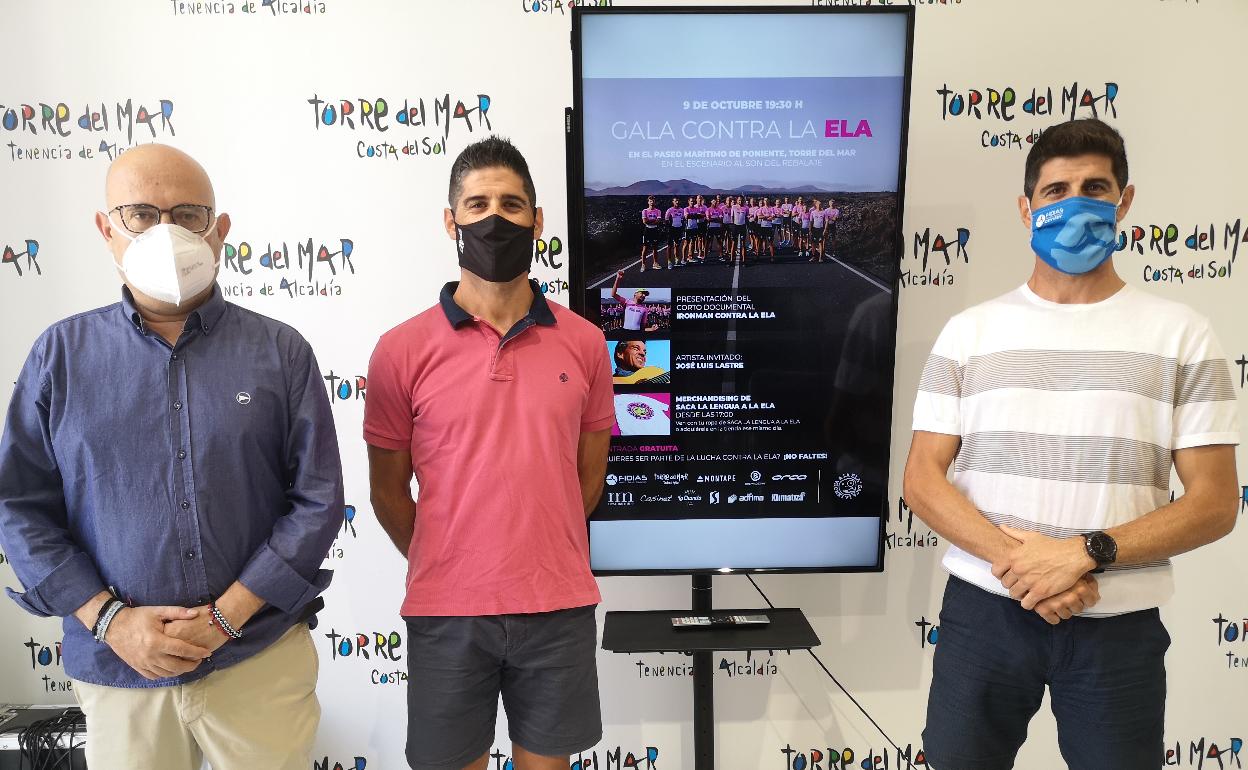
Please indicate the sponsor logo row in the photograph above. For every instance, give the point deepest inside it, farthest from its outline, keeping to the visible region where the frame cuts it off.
(713, 497)
(756, 477)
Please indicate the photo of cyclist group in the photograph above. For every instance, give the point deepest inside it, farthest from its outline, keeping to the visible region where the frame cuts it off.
(720, 238)
(737, 226)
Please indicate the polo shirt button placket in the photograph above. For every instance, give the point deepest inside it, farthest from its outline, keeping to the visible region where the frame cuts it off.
(493, 341)
(502, 369)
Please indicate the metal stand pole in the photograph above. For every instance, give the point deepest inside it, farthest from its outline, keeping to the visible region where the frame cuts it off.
(703, 685)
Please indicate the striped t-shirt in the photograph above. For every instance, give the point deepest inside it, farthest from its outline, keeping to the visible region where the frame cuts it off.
(1068, 415)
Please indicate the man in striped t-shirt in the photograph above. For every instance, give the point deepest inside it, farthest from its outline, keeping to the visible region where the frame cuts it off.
(1062, 407)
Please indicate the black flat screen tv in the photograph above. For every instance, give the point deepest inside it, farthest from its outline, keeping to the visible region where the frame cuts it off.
(750, 310)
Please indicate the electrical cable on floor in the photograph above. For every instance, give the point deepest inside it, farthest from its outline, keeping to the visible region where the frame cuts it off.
(40, 742)
(909, 764)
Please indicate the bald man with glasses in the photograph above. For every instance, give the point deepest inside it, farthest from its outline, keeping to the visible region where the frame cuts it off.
(169, 486)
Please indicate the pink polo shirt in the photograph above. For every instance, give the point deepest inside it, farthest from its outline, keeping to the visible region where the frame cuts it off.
(493, 422)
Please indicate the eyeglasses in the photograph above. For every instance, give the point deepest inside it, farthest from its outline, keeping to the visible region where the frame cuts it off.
(139, 217)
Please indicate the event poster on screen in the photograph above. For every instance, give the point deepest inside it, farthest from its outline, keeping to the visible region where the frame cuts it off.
(741, 215)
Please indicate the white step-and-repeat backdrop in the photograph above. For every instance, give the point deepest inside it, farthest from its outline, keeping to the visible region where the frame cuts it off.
(338, 231)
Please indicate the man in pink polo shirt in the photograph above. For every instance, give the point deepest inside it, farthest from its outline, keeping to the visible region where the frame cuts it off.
(501, 404)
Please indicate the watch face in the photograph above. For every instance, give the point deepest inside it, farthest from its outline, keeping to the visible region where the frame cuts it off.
(1102, 547)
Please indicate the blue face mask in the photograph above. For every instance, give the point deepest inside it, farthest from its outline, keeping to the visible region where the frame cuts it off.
(1076, 235)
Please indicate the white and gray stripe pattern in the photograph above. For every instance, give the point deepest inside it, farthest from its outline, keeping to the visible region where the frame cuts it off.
(1204, 381)
(1156, 377)
(1084, 459)
(1069, 417)
(1148, 375)
(941, 376)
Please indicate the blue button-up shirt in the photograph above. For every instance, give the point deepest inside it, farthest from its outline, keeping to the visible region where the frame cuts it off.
(167, 473)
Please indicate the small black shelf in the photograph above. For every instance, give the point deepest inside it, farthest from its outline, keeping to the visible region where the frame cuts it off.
(652, 631)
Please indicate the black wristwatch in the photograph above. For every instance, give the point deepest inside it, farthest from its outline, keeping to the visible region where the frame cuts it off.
(1102, 548)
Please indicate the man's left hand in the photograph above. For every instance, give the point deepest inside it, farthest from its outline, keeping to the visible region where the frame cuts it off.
(1041, 566)
(1083, 595)
(198, 631)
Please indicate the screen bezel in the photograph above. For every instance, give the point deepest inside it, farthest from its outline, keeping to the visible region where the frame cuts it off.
(574, 129)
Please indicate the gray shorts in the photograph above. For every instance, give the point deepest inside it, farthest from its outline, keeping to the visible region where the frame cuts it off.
(543, 665)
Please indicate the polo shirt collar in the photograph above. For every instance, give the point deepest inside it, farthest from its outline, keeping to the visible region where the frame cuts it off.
(203, 317)
(539, 310)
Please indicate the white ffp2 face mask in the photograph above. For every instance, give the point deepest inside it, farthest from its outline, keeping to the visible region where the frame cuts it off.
(168, 263)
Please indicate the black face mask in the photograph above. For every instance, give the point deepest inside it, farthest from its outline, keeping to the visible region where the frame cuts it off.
(495, 249)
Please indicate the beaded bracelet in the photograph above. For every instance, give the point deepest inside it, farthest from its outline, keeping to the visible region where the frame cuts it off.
(223, 623)
(212, 622)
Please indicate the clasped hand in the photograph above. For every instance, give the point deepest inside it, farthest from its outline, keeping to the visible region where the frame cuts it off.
(160, 642)
(1048, 575)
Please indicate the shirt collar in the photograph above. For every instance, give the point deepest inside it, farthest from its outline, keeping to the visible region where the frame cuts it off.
(539, 310)
(204, 317)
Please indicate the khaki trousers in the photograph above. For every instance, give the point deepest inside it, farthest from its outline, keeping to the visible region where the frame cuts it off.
(261, 713)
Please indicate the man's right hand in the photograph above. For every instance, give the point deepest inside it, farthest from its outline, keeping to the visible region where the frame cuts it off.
(1083, 595)
(137, 635)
